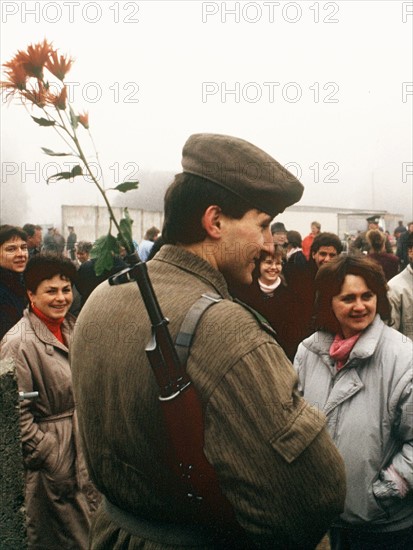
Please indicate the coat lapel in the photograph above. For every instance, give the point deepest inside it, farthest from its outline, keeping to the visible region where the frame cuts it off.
(347, 384)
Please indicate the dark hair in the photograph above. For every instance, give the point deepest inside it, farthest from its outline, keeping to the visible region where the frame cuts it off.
(278, 227)
(31, 229)
(329, 281)
(376, 239)
(7, 232)
(45, 266)
(84, 246)
(186, 200)
(294, 238)
(326, 239)
(279, 252)
(323, 239)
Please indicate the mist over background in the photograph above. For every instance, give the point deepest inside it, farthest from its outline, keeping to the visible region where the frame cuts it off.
(324, 87)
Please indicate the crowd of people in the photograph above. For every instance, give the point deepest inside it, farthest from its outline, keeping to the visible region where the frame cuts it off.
(303, 367)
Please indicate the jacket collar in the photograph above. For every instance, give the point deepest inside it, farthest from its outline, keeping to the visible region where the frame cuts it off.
(43, 333)
(365, 347)
(187, 261)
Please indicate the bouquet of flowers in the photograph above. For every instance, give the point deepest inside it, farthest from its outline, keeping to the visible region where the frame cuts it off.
(36, 76)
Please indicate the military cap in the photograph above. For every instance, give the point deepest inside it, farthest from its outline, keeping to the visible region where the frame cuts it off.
(373, 219)
(278, 227)
(242, 169)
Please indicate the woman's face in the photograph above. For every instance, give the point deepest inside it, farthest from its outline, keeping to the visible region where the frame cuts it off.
(53, 297)
(355, 306)
(14, 254)
(270, 269)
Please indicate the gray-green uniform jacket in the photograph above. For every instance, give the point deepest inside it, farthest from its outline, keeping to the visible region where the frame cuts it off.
(274, 459)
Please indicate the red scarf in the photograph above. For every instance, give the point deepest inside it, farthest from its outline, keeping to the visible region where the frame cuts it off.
(54, 325)
(341, 348)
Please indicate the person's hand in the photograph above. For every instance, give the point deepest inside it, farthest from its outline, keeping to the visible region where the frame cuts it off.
(390, 484)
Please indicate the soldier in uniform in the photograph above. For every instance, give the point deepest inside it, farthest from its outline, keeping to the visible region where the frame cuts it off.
(274, 460)
(71, 243)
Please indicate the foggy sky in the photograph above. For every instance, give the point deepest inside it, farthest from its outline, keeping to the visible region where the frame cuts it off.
(324, 87)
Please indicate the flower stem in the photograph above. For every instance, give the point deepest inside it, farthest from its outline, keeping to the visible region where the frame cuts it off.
(102, 192)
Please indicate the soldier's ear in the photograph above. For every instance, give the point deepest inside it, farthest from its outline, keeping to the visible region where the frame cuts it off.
(211, 221)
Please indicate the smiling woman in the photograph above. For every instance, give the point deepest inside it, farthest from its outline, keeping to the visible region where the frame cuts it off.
(13, 260)
(59, 498)
(52, 298)
(359, 371)
(271, 297)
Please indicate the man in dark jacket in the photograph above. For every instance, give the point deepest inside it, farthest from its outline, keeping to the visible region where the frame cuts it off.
(275, 463)
(325, 247)
(34, 238)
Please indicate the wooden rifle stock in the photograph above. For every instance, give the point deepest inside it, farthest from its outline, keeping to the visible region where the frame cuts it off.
(182, 410)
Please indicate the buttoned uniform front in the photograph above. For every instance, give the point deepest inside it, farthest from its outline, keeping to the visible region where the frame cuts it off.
(368, 407)
(71, 245)
(401, 299)
(59, 497)
(273, 457)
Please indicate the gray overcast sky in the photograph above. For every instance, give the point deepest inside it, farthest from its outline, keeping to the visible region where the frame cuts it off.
(325, 87)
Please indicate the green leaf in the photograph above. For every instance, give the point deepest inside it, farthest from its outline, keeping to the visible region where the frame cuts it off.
(76, 171)
(53, 154)
(43, 121)
(125, 235)
(127, 186)
(103, 250)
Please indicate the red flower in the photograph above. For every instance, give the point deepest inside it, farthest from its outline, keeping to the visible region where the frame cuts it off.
(58, 67)
(39, 96)
(84, 120)
(34, 59)
(59, 100)
(17, 77)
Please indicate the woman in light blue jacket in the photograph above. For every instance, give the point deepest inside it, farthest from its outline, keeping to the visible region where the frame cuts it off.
(359, 372)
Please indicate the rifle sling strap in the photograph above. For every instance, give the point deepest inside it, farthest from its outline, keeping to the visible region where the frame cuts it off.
(186, 333)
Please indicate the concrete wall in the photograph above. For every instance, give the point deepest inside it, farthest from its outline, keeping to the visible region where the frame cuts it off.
(91, 222)
(12, 518)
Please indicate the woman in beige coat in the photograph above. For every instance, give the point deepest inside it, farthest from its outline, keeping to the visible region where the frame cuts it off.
(59, 498)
